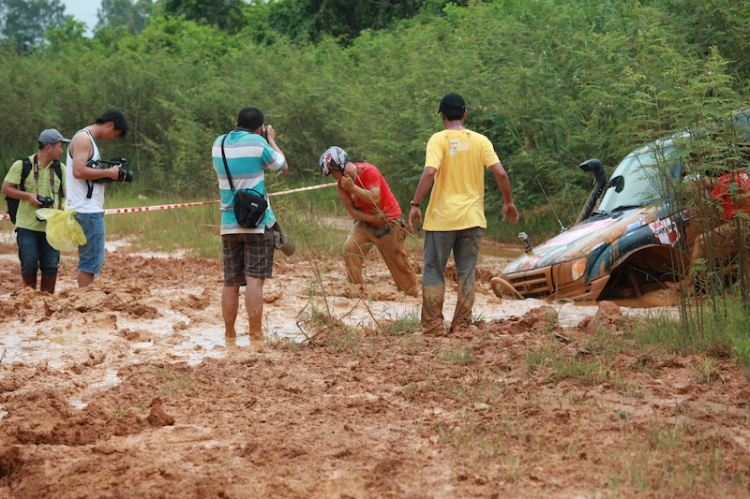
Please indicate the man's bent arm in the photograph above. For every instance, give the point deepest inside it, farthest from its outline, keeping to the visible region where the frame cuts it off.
(359, 214)
(12, 191)
(369, 196)
(81, 150)
(271, 139)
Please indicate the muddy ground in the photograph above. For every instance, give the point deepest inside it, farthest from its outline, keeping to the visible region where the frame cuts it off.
(129, 389)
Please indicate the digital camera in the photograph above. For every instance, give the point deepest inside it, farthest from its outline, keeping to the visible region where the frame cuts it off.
(47, 202)
(124, 175)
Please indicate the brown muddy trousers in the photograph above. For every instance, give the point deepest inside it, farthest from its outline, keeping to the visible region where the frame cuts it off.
(389, 239)
(438, 246)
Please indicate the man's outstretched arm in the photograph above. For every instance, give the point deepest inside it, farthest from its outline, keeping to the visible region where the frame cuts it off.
(503, 182)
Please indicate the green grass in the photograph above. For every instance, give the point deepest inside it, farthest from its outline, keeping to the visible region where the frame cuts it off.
(172, 382)
(706, 329)
(588, 369)
(408, 322)
(689, 465)
(195, 228)
(461, 357)
(121, 410)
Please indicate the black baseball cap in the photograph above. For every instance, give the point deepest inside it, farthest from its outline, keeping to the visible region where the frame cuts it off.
(452, 102)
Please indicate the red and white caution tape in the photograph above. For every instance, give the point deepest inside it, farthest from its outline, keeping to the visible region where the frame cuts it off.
(300, 189)
(199, 203)
(113, 211)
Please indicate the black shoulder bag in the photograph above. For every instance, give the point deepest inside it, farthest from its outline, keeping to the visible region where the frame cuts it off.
(249, 205)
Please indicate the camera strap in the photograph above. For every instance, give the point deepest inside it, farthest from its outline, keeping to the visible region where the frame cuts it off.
(226, 166)
(89, 183)
(51, 177)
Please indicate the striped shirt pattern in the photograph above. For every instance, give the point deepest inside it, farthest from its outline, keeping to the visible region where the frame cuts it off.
(247, 155)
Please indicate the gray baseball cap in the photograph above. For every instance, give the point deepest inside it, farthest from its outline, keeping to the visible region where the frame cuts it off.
(51, 136)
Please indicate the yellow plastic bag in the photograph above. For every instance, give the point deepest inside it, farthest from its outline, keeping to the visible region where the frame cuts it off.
(64, 233)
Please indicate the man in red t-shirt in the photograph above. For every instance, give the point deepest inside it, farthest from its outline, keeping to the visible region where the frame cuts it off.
(732, 191)
(370, 202)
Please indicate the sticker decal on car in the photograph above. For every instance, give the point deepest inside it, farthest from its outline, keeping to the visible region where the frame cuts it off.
(635, 225)
(665, 231)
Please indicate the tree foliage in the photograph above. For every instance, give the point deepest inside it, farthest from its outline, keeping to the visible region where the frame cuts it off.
(226, 15)
(310, 20)
(126, 14)
(551, 83)
(23, 22)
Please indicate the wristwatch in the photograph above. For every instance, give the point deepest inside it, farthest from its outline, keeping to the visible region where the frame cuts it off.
(415, 204)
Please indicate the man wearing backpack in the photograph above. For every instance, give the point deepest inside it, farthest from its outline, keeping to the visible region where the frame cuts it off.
(30, 184)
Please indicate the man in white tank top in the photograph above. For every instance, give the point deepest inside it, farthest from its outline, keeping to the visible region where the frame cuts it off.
(85, 195)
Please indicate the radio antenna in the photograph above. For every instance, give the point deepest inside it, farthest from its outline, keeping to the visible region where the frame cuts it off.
(562, 227)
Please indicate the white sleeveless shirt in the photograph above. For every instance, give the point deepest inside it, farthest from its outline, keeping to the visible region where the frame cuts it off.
(76, 189)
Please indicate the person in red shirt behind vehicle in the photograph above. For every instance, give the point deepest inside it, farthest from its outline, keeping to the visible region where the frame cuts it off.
(732, 192)
(370, 202)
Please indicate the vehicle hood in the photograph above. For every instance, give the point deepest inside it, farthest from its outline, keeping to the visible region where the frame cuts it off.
(582, 239)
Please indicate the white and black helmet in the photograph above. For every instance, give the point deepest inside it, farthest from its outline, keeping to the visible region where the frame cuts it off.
(333, 159)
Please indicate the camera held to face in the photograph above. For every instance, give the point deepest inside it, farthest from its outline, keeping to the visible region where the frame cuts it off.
(124, 175)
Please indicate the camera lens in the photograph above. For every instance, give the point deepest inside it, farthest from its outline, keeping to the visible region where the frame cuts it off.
(125, 176)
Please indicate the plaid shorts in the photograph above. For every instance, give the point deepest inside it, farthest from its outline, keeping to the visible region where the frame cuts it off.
(248, 255)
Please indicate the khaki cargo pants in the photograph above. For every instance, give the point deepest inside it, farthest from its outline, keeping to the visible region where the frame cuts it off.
(389, 239)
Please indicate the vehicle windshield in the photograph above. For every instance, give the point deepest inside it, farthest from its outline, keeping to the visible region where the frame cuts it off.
(643, 177)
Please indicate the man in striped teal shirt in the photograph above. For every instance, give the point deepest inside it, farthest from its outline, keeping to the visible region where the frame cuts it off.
(248, 253)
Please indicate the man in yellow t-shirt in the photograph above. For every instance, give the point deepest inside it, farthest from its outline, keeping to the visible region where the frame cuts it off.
(41, 188)
(455, 163)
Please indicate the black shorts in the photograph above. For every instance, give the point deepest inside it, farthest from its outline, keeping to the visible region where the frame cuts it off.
(248, 255)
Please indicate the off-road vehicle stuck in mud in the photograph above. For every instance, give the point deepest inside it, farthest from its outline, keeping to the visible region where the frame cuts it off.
(632, 236)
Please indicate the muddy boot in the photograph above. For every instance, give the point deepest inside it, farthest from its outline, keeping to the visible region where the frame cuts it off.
(48, 284)
(30, 281)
